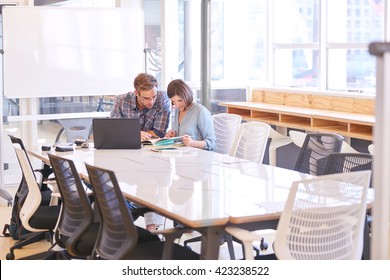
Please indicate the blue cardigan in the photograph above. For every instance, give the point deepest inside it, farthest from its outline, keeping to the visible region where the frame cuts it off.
(197, 123)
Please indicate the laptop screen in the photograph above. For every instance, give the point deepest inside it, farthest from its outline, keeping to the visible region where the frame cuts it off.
(116, 133)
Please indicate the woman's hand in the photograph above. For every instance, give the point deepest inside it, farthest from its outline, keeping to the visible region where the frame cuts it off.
(187, 140)
(170, 134)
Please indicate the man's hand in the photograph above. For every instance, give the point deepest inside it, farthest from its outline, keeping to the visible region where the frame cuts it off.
(146, 136)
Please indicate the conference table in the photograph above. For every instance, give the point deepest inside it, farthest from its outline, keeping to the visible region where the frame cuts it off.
(200, 189)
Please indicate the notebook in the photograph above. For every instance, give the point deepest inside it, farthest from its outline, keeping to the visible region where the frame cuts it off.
(116, 133)
(164, 141)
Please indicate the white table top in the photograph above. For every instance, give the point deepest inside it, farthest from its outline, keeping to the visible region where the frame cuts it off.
(195, 187)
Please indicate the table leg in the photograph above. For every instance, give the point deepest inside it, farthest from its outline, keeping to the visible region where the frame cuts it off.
(211, 237)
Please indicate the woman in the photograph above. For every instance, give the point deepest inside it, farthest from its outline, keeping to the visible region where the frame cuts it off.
(190, 119)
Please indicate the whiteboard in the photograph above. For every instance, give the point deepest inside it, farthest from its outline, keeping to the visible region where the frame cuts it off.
(62, 51)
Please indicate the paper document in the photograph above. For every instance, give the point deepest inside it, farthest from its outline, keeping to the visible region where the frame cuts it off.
(164, 141)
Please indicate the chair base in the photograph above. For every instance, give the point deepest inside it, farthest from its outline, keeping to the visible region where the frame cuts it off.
(29, 239)
(266, 257)
(49, 255)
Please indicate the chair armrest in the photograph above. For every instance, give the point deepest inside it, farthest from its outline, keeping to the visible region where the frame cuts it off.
(346, 148)
(55, 194)
(371, 149)
(173, 232)
(52, 185)
(38, 170)
(89, 193)
(246, 237)
(297, 137)
(50, 181)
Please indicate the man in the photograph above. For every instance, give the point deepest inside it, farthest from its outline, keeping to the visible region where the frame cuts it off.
(152, 108)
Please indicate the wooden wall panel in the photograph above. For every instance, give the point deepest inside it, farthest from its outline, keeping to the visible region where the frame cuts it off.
(273, 97)
(332, 103)
(364, 106)
(297, 100)
(257, 95)
(315, 101)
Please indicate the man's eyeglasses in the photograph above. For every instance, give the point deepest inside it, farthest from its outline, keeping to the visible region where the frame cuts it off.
(146, 99)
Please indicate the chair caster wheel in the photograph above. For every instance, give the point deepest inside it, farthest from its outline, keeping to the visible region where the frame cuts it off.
(263, 245)
(10, 256)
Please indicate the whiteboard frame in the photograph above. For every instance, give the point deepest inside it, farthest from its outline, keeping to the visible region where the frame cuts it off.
(70, 51)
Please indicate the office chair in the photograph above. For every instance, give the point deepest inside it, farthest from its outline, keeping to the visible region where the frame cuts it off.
(39, 219)
(78, 226)
(298, 137)
(250, 144)
(315, 151)
(250, 141)
(225, 127)
(351, 162)
(15, 227)
(323, 219)
(118, 237)
(75, 130)
(41, 175)
(79, 222)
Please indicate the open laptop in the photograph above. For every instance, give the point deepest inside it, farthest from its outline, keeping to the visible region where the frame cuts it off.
(116, 133)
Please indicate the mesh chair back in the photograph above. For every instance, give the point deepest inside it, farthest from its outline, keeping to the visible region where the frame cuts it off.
(75, 129)
(225, 127)
(33, 216)
(77, 214)
(250, 141)
(324, 218)
(315, 151)
(348, 162)
(118, 235)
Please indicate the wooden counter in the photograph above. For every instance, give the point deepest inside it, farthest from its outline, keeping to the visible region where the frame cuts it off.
(308, 116)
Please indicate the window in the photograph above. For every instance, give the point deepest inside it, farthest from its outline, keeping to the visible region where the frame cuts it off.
(349, 64)
(238, 41)
(296, 67)
(280, 43)
(296, 48)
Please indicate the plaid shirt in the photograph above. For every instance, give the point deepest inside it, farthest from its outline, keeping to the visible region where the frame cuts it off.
(155, 118)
